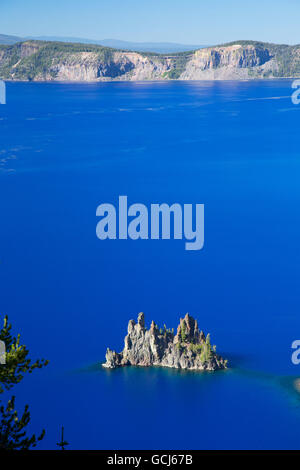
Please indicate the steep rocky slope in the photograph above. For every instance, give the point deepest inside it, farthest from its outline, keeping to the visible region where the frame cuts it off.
(188, 349)
(41, 60)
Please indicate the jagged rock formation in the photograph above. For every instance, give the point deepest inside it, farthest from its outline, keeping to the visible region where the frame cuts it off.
(44, 60)
(188, 349)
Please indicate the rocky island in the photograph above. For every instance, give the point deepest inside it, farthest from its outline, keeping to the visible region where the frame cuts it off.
(188, 349)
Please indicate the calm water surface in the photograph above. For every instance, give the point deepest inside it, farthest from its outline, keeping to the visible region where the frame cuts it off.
(65, 149)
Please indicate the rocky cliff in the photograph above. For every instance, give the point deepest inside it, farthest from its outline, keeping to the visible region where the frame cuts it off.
(188, 349)
(42, 60)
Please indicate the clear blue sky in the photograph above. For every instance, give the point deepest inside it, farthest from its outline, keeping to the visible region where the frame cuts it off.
(185, 21)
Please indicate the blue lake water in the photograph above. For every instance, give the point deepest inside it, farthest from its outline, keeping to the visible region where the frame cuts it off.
(234, 146)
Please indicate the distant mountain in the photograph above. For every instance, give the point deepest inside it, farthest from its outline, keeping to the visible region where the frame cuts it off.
(5, 39)
(159, 47)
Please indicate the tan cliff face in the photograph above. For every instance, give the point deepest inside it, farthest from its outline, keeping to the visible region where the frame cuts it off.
(41, 61)
(234, 56)
(88, 66)
(213, 63)
(27, 49)
(225, 62)
(83, 66)
(142, 67)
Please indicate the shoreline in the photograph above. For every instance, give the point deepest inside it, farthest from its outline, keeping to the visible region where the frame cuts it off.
(93, 82)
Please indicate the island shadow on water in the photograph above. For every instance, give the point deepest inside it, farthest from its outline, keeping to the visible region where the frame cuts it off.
(138, 376)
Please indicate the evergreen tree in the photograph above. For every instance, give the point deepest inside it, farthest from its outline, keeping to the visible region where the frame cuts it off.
(183, 332)
(12, 428)
(208, 348)
(17, 363)
(62, 444)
